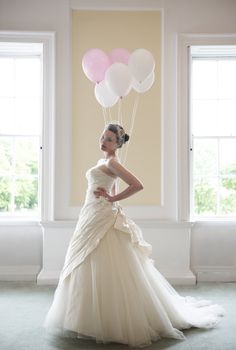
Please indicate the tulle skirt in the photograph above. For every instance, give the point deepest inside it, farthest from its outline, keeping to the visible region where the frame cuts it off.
(117, 295)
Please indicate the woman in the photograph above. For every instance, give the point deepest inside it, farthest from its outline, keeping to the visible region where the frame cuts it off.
(109, 289)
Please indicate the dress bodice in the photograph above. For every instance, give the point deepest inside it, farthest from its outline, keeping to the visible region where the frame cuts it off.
(97, 217)
(96, 177)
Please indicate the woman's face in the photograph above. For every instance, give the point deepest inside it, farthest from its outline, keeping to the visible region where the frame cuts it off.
(108, 141)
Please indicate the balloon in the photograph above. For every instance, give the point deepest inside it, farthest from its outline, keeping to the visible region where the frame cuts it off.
(104, 95)
(95, 63)
(119, 79)
(145, 85)
(119, 55)
(141, 64)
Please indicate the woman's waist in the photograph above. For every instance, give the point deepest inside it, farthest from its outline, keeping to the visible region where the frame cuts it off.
(90, 197)
(92, 188)
(95, 185)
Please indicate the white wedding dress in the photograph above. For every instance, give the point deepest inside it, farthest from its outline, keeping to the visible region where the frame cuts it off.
(109, 289)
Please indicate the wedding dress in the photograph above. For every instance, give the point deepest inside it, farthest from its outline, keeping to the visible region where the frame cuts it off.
(109, 289)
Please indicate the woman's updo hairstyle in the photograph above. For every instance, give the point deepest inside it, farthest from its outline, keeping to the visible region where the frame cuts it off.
(121, 135)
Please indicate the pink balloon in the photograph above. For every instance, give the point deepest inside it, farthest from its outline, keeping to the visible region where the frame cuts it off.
(95, 63)
(119, 55)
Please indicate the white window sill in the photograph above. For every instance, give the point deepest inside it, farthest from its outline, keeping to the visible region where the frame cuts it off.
(214, 221)
(19, 221)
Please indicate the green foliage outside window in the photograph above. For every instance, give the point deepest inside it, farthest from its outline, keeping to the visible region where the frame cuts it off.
(19, 174)
(206, 198)
(5, 195)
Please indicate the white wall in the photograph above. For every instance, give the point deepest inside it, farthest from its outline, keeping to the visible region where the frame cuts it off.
(213, 247)
(180, 16)
(43, 15)
(20, 251)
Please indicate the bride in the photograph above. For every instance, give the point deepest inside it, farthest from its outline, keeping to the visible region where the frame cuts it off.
(109, 289)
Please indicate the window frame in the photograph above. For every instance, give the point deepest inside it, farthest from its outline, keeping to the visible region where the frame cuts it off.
(184, 138)
(217, 138)
(47, 157)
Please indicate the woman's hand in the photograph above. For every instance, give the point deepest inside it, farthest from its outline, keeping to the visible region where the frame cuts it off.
(101, 191)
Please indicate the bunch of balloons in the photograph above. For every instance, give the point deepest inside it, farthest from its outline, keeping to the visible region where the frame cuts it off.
(116, 73)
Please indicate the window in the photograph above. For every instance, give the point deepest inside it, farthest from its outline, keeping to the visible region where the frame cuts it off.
(31, 47)
(20, 128)
(213, 131)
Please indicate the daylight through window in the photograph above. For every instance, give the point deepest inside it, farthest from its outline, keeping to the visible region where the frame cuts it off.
(213, 131)
(20, 128)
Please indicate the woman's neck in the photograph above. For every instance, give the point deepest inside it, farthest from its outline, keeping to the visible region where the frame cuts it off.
(108, 156)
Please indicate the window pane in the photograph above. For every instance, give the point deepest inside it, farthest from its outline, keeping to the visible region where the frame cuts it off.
(205, 197)
(20, 105)
(26, 194)
(205, 157)
(26, 155)
(6, 155)
(227, 156)
(226, 111)
(27, 72)
(5, 194)
(214, 117)
(19, 116)
(228, 196)
(205, 121)
(227, 79)
(7, 114)
(27, 116)
(204, 79)
(7, 81)
(19, 156)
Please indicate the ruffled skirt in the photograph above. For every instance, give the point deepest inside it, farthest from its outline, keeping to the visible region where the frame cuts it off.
(117, 295)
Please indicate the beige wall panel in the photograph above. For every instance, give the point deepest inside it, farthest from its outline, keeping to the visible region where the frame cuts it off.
(108, 30)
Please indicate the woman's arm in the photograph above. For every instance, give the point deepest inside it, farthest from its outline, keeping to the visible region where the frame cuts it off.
(113, 189)
(134, 184)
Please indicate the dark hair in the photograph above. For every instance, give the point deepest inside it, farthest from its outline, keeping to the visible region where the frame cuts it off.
(121, 136)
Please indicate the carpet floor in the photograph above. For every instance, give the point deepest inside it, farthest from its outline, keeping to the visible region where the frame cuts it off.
(23, 306)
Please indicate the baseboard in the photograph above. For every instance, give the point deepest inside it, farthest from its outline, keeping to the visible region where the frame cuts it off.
(215, 273)
(179, 277)
(48, 277)
(19, 273)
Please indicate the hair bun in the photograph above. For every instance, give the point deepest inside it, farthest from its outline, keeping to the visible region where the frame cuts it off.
(126, 137)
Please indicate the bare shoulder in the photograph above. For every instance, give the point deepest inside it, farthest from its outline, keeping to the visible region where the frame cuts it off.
(114, 163)
(119, 170)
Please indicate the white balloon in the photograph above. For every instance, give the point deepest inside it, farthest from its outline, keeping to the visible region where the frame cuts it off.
(104, 95)
(145, 85)
(119, 79)
(141, 64)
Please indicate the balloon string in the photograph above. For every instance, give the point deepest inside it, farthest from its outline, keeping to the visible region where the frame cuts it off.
(122, 113)
(107, 115)
(119, 109)
(122, 150)
(110, 117)
(134, 113)
(104, 115)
